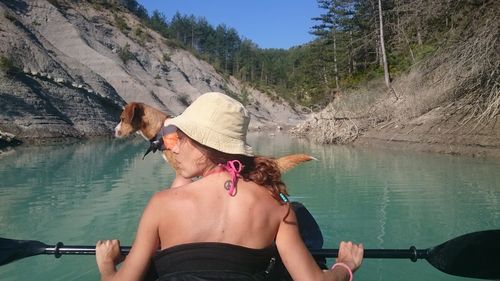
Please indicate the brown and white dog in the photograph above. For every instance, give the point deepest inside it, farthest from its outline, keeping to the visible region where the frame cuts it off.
(148, 121)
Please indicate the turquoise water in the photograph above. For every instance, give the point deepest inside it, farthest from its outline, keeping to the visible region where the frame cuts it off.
(79, 193)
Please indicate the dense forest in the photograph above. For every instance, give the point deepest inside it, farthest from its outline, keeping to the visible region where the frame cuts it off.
(356, 41)
(347, 50)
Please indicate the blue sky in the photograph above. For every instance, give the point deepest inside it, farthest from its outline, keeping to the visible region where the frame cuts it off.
(268, 23)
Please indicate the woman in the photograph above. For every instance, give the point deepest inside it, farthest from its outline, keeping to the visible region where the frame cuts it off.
(229, 224)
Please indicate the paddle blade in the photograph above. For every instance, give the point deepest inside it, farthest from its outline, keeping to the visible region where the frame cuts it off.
(308, 227)
(474, 255)
(309, 231)
(12, 250)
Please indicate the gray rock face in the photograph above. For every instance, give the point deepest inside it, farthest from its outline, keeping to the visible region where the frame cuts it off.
(68, 76)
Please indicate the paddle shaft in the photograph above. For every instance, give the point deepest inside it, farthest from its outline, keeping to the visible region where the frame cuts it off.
(473, 255)
(412, 253)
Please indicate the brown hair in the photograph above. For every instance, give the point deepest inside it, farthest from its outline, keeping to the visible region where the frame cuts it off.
(261, 170)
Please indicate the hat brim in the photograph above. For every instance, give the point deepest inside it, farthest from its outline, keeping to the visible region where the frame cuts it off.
(208, 137)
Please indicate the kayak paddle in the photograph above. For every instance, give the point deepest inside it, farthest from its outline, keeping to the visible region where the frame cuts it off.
(474, 255)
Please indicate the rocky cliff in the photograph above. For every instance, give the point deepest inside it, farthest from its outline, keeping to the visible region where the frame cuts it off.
(68, 67)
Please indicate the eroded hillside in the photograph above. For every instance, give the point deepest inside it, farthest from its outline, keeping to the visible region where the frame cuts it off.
(68, 67)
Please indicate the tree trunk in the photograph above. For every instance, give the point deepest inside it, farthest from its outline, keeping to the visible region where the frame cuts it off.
(236, 68)
(419, 23)
(378, 56)
(192, 36)
(226, 60)
(262, 72)
(408, 44)
(335, 58)
(325, 76)
(387, 78)
(351, 58)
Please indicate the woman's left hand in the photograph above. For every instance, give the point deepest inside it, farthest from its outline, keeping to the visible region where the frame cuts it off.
(108, 255)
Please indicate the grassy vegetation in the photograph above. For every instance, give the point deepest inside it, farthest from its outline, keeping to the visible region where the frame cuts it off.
(245, 94)
(10, 17)
(103, 4)
(174, 44)
(141, 35)
(8, 66)
(166, 57)
(125, 54)
(121, 24)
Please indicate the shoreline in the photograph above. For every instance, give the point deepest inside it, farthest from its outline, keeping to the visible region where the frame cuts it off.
(371, 141)
(459, 150)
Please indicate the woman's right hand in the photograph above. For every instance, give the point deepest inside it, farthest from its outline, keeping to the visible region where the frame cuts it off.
(108, 255)
(350, 254)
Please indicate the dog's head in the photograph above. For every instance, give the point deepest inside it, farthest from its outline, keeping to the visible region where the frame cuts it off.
(130, 120)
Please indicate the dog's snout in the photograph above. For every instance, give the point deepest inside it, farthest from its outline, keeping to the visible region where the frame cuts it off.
(118, 132)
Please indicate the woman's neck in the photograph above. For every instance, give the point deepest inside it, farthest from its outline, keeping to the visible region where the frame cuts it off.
(214, 169)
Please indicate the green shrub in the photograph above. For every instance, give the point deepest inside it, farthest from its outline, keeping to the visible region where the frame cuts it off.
(141, 35)
(174, 44)
(166, 57)
(8, 66)
(245, 96)
(424, 51)
(125, 54)
(121, 24)
(10, 17)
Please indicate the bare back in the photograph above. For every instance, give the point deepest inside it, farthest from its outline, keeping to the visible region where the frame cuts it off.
(203, 211)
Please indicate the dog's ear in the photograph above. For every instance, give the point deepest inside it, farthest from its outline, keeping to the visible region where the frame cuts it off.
(132, 111)
(128, 113)
(138, 113)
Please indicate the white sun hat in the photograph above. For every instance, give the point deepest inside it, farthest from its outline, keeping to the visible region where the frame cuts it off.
(217, 121)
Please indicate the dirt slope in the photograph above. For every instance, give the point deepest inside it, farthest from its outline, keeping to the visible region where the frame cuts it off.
(67, 70)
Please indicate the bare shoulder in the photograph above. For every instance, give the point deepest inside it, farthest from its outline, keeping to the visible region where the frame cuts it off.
(271, 204)
(163, 195)
(172, 195)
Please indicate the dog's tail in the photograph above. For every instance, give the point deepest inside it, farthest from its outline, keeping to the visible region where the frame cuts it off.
(288, 162)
